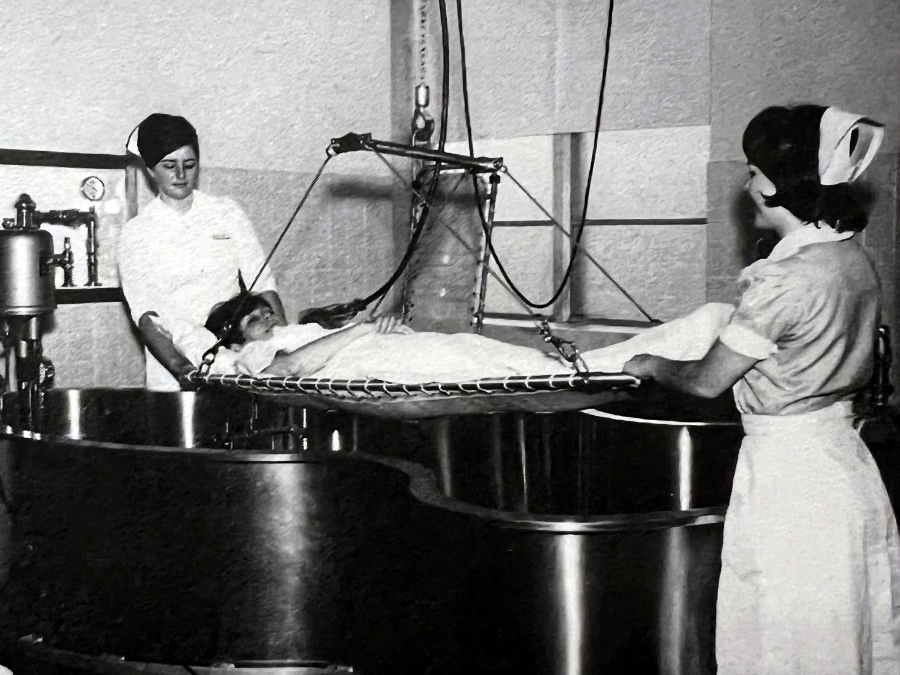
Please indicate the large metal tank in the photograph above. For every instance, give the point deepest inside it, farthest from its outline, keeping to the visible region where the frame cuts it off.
(174, 528)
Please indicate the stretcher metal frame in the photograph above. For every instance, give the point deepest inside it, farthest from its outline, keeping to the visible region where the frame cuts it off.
(516, 393)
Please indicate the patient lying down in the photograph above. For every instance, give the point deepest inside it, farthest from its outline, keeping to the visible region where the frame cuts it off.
(386, 350)
(382, 350)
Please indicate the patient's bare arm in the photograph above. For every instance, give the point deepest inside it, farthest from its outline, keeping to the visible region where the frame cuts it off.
(312, 357)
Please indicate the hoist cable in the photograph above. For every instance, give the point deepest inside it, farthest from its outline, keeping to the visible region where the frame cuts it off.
(584, 252)
(577, 242)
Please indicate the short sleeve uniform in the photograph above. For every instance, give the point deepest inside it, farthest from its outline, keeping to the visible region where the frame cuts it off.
(810, 318)
(808, 509)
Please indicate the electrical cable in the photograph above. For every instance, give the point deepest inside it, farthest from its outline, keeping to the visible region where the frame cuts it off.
(575, 248)
(584, 252)
(209, 355)
(290, 221)
(419, 227)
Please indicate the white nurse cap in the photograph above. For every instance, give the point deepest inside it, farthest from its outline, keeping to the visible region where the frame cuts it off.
(847, 145)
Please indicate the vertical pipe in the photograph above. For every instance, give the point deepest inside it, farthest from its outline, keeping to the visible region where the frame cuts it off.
(674, 608)
(91, 250)
(497, 461)
(187, 406)
(444, 460)
(685, 451)
(547, 447)
(73, 412)
(562, 209)
(486, 256)
(580, 501)
(571, 584)
(290, 443)
(354, 433)
(523, 459)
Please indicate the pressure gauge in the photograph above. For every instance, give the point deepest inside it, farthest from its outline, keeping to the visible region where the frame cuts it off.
(92, 188)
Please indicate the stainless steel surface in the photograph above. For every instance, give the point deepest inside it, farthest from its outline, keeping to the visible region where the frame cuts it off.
(173, 528)
(175, 554)
(26, 284)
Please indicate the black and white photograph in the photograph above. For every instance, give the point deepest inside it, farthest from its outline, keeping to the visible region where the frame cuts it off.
(449, 337)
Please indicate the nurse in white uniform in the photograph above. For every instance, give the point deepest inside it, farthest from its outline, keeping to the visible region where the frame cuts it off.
(810, 580)
(181, 255)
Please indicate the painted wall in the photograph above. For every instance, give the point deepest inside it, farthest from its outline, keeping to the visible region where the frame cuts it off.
(534, 70)
(534, 66)
(266, 83)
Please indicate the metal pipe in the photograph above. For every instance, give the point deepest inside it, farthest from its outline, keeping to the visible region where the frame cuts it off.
(364, 142)
(91, 247)
(521, 444)
(75, 218)
(442, 446)
(28, 365)
(881, 386)
(486, 256)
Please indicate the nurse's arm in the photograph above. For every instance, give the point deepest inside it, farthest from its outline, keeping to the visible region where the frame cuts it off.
(709, 377)
(309, 358)
(159, 344)
(277, 308)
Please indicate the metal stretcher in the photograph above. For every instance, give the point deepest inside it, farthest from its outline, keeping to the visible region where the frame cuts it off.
(518, 393)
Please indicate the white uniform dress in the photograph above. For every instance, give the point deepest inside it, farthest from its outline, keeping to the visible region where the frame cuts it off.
(810, 579)
(181, 265)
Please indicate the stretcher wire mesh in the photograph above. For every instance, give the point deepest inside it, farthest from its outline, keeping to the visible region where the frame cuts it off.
(374, 389)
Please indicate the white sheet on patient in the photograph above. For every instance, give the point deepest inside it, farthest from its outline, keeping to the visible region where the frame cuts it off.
(436, 357)
(687, 338)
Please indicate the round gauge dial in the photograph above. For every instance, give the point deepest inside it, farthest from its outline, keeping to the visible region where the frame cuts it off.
(92, 188)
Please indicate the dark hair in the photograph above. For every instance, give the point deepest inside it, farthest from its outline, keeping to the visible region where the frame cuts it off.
(224, 321)
(160, 135)
(784, 143)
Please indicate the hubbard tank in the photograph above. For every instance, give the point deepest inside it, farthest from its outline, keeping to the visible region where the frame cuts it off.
(220, 527)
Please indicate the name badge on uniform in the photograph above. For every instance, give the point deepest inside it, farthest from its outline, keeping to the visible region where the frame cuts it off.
(221, 236)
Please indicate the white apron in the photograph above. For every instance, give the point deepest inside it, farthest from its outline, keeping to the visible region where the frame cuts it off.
(810, 580)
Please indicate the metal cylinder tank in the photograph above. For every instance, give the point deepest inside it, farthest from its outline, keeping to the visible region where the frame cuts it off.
(174, 528)
(26, 282)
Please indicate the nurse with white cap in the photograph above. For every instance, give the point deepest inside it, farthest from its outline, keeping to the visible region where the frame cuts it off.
(810, 580)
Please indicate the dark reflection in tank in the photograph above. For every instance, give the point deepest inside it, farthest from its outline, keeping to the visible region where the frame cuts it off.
(218, 527)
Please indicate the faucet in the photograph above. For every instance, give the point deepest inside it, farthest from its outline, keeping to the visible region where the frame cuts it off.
(28, 218)
(66, 260)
